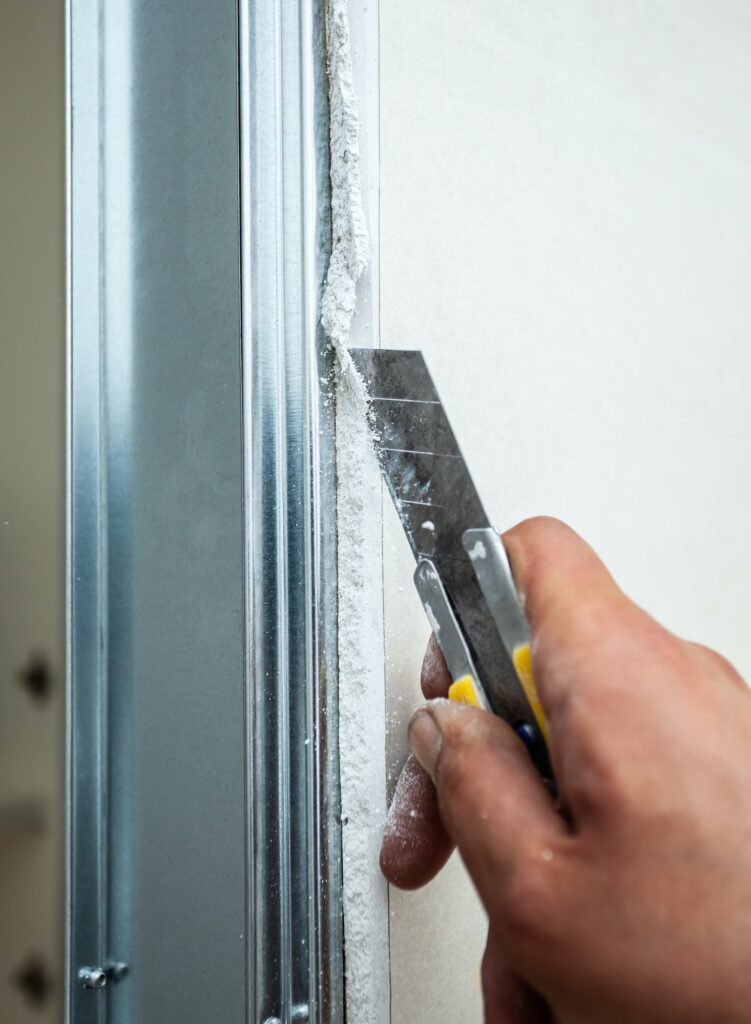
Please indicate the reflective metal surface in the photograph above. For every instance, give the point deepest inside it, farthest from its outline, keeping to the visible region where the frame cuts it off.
(437, 502)
(86, 874)
(204, 822)
(443, 622)
(156, 601)
(295, 874)
(493, 571)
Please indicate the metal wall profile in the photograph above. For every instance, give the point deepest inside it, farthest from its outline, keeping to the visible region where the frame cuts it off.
(290, 523)
(204, 875)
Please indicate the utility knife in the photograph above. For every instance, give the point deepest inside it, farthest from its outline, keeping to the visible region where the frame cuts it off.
(463, 575)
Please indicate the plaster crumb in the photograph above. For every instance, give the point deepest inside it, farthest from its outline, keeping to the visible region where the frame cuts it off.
(478, 551)
(434, 623)
(429, 526)
(405, 802)
(349, 252)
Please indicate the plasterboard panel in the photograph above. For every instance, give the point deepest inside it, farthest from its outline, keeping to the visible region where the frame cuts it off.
(566, 232)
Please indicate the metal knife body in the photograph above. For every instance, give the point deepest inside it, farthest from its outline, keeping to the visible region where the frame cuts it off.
(462, 575)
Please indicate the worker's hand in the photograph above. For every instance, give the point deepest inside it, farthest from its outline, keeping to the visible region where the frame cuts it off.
(633, 904)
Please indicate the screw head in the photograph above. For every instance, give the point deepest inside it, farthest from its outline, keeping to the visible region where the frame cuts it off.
(92, 977)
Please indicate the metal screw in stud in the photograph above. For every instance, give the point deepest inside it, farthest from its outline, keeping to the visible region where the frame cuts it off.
(97, 977)
(92, 977)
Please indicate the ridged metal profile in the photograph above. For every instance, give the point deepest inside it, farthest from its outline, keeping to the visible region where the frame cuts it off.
(85, 735)
(294, 880)
(204, 834)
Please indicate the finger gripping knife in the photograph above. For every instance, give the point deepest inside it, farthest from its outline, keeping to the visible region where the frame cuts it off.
(463, 576)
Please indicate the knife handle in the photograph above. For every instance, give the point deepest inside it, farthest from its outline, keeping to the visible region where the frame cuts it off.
(522, 659)
(464, 691)
(491, 566)
(467, 685)
(448, 633)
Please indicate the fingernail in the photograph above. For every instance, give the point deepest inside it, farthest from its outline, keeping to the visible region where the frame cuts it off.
(425, 740)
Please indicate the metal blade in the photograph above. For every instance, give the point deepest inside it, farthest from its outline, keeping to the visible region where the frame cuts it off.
(422, 464)
(437, 502)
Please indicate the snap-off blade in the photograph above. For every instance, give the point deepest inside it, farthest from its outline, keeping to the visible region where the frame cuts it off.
(437, 502)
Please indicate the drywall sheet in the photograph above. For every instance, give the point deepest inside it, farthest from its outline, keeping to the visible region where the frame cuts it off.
(566, 232)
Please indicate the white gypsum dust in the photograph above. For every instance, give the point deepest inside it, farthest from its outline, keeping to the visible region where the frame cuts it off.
(361, 650)
(349, 249)
(478, 551)
(407, 802)
(434, 623)
(361, 714)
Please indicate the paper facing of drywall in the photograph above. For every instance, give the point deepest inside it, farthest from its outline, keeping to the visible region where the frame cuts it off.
(566, 234)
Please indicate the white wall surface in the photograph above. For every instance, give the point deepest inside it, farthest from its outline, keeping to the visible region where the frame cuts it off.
(566, 233)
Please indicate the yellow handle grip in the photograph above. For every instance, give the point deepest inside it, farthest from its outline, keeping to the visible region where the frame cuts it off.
(463, 692)
(523, 664)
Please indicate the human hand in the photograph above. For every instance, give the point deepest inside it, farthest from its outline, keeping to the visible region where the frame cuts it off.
(632, 904)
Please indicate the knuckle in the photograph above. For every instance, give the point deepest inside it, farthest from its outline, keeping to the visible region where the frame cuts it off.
(713, 658)
(531, 544)
(541, 528)
(713, 661)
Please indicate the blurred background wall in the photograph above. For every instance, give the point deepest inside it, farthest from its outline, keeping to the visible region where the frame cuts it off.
(32, 427)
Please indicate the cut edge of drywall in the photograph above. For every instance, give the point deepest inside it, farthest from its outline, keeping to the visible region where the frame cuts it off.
(350, 251)
(348, 316)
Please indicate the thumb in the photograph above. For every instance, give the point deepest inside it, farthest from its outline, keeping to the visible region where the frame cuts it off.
(491, 799)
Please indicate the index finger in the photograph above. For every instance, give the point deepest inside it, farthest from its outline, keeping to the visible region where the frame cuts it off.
(435, 678)
(599, 660)
(415, 843)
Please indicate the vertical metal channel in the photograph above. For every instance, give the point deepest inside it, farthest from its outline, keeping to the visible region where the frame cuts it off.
(294, 878)
(157, 824)
(173, 319)
(86, 884)
(99, 254)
